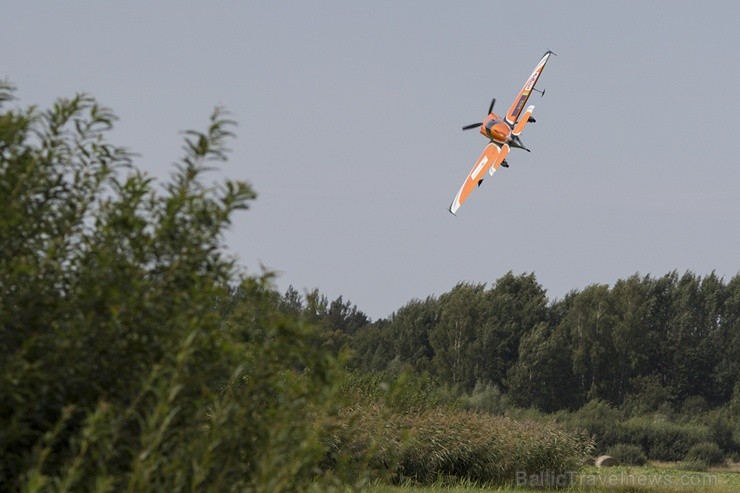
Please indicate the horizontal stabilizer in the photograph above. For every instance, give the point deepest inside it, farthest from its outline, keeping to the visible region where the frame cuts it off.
(523, 120)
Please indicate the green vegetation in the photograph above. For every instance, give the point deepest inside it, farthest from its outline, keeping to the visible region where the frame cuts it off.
(128, 361)
(136, 355)
(648, 362)
(668, 344)
(405, 432)
(707, 452)
(626, 454)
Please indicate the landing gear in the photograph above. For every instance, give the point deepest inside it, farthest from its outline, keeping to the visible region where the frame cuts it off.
(504, 163)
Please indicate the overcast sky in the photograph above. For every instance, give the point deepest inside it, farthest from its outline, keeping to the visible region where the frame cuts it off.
(349, 129)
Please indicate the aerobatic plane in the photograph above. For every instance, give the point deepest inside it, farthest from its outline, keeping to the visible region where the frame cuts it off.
(503, 134)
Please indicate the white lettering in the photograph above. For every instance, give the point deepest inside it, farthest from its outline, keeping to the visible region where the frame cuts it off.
(521, 478)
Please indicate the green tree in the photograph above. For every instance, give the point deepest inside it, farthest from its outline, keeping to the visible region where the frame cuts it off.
(337, 320)
(514, 306)
(694, 335)
(126, 361)
(633, 346)
(372, 347)
(461, 312)
(409, 328)
(542, 376)
(726, 373)
(589, 323)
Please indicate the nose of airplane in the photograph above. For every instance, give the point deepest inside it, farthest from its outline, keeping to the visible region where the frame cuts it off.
(500, 131)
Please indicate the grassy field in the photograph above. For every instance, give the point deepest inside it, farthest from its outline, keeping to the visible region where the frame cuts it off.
(654, 478)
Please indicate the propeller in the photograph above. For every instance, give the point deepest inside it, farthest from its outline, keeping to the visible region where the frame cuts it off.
(472, 125)
(476, 125)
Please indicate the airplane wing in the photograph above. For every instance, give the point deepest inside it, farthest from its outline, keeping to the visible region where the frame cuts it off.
(523, 96)
(489, 160)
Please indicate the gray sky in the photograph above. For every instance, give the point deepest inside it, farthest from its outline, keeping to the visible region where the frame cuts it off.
(349, 129)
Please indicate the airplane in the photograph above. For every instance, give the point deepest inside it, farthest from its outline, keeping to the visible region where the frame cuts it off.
(503, 134)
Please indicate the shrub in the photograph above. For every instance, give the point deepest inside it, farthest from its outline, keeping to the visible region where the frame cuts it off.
(708, 452)
(721, 423)
(628, 454)
(600, 420)
(662, 440)
(121, 367)
(486, 397)
(425, 446)
(694, 406)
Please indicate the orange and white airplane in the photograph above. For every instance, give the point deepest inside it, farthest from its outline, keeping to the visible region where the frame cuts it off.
(503, 134)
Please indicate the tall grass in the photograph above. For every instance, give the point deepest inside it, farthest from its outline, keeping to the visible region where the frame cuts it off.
(427, 445)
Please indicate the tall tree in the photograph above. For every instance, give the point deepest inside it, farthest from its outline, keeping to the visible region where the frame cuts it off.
(542, 376)
(726, 374)
(410, 329)
(514, 306)
(589, 323)
(633, 346)
(461, 312)
(694, 335)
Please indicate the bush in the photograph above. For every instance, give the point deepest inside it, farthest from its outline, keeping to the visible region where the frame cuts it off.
(600, 420)
(658, 438)
(425, 446)
(485, 397)
(126, 362)
(661, 440)
(628, 454)
(722, 424)
(708, 452)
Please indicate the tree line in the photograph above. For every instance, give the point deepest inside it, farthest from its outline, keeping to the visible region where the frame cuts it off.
(644, 343)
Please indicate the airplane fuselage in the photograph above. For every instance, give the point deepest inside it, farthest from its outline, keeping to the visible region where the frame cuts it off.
(496, 129)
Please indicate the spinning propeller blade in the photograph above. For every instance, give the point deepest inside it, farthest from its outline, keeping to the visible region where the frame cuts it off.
(490, 108)
(472, 125)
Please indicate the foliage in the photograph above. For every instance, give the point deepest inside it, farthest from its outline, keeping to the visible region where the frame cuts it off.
(667, 344)
(662, 440)
(600, 420)
(707, 452)
(485, 397)
(446, 443)
(336, 321)
(628, 454)
(126, 361)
